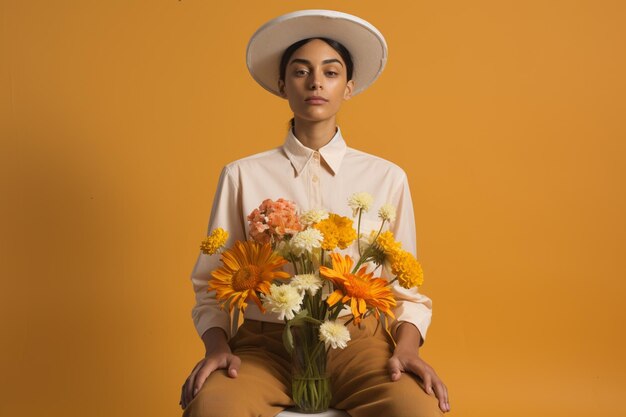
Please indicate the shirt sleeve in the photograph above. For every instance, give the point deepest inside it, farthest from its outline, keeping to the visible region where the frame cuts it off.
(412, 306)
(225, 213)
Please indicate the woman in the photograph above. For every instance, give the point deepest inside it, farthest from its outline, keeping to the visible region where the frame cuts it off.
(315, 59)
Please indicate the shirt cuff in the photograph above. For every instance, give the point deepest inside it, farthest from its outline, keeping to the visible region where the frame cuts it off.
(417, 314)
(207, 318)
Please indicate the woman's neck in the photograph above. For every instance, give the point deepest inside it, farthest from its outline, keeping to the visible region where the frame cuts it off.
(314, 135)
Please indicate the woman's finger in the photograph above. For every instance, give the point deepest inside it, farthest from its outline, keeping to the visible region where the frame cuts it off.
(202, 374)
(188, 387)
(233, 367)
(440, 393)
(395, 368)
(428, 383)
(447, 398)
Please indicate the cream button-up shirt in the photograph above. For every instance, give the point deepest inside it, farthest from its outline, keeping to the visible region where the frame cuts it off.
(313, 180)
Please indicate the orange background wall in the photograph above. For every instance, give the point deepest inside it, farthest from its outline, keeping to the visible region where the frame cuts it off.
(117, 116)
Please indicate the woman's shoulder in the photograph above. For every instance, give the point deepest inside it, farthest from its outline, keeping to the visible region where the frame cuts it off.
(251, 161)
(356, 156)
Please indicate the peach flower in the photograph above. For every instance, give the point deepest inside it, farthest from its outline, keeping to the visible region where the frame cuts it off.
(273, 220)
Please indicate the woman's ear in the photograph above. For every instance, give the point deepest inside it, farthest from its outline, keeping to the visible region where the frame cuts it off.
(281, 88)
(349, 89)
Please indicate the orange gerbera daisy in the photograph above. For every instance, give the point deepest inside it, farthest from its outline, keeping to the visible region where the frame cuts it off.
(249, 267)
(362, 290)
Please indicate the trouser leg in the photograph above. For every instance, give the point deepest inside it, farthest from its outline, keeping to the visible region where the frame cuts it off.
(361, 382)
(262, 387)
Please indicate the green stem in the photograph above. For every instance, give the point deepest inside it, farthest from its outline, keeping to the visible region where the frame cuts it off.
(380, 230)
(336, 310)
(304, 271)
(293, 262)
(364, 258)
(358, 233)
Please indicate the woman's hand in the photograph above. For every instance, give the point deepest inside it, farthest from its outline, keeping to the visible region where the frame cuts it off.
(218, 356)
(406, 359)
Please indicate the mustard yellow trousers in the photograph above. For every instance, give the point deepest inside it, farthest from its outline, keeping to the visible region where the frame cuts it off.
(359, 378)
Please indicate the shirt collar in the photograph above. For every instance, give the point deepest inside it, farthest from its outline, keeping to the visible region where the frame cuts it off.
(299, 155)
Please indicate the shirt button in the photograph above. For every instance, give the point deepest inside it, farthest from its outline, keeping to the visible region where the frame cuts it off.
(316, 156)
(316, 178)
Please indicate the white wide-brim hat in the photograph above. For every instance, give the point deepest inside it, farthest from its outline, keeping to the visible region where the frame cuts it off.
(366, 44)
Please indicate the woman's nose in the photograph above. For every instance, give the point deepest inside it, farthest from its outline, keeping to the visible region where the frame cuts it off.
(316, 82)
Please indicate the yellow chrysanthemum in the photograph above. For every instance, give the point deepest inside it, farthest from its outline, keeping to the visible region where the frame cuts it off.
(212, 243)
(381, 247)
(361, 290)
(407, 269)
(337, 231)
(387, 243)
(249, 267)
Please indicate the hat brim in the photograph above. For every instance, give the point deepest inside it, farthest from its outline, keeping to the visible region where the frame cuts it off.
(366, 44)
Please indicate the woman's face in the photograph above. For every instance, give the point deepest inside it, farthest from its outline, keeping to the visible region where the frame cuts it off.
(316, 82)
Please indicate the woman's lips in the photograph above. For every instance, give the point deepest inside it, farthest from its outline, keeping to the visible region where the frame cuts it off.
(316, 100)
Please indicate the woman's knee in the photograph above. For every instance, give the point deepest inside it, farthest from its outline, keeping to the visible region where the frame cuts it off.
(403, 398)
(407, 398)
(246, 395)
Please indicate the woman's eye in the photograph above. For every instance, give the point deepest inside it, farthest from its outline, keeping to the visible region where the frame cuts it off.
(331, 73)
(300, 72)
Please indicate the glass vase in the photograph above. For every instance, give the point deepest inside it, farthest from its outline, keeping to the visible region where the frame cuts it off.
(310, 382)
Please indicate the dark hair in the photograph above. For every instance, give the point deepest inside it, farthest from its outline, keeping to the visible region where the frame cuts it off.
(341, 50)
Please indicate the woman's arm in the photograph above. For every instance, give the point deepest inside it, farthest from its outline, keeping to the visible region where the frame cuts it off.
(225, 213)
(411, 305)
(413, 311)
(211, 322)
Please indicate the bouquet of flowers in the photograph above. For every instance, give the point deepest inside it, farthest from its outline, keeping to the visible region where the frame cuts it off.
(323, 281)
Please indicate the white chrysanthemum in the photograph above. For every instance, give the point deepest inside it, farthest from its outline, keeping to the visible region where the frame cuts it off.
(334, 334)
(387, 212)
(283, 299)
(306, 241)
(360, 201)
(307, 282)
(313, 216)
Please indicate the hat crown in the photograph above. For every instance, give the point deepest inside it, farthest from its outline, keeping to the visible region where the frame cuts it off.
(366, 44)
